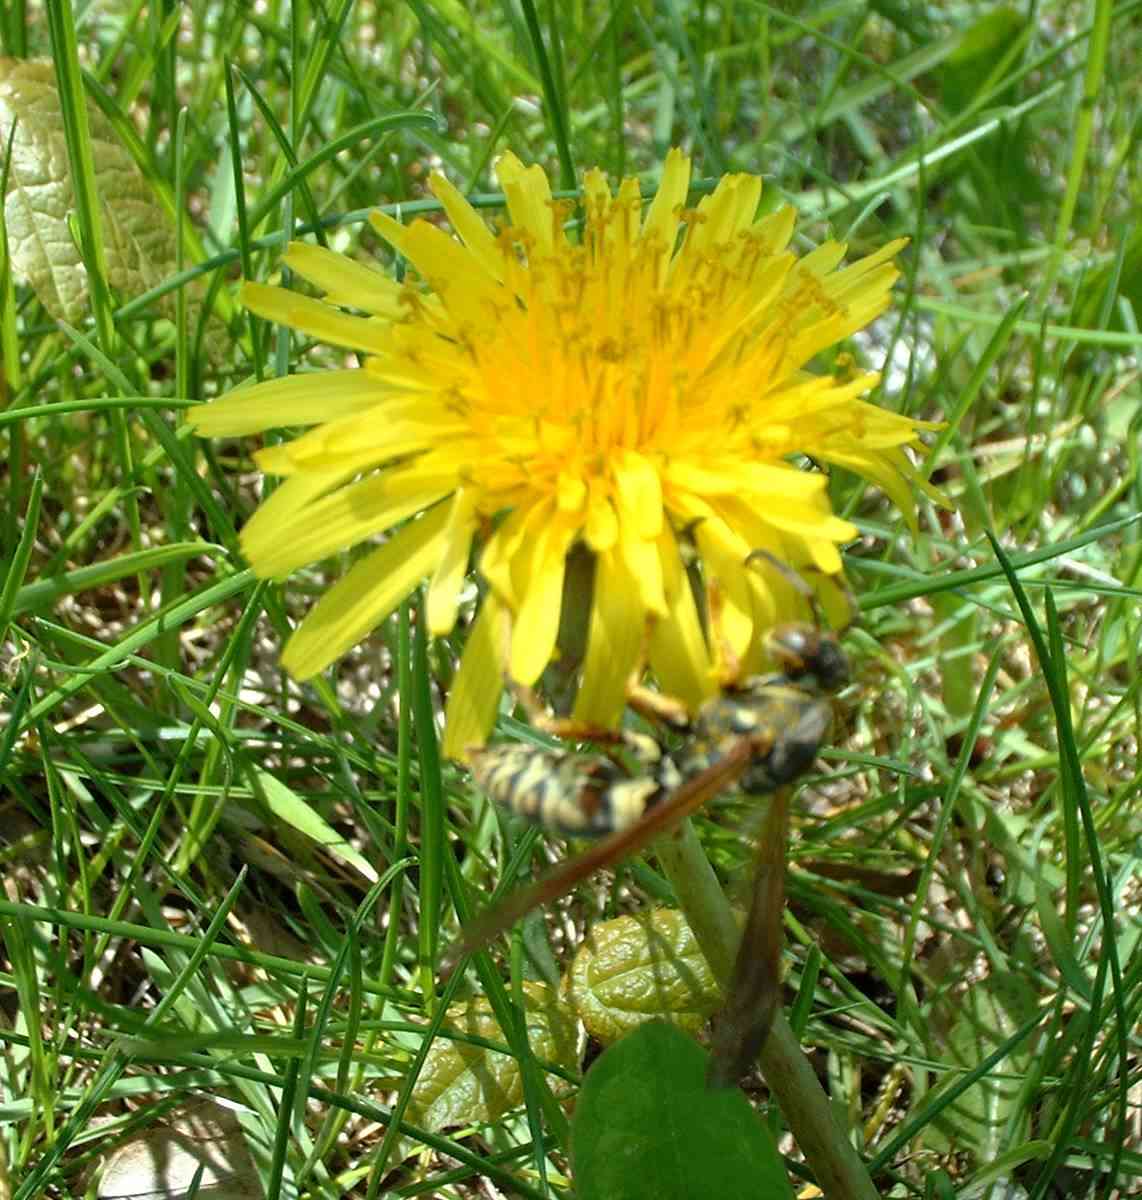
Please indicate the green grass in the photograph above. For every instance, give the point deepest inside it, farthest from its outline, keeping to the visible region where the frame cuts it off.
(217, 883)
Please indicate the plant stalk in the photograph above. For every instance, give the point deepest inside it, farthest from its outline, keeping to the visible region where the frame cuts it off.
(840, 1172)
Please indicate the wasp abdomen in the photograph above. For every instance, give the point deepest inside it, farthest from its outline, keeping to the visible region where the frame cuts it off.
(579, 795)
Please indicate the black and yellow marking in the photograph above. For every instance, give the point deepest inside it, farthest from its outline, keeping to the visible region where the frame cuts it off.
(579, 795)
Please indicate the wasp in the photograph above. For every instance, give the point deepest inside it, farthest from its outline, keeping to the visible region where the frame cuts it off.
(761, 733)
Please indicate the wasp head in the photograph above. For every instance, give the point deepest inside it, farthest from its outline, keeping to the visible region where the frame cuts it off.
(802, 650)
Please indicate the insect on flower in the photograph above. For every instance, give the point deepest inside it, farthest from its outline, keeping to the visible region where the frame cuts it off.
(762, 732)
(634, 382)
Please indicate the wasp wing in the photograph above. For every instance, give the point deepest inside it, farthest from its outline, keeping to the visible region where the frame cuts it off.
(743, 1024)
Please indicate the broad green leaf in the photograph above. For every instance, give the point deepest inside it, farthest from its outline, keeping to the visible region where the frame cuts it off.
(1092, 301)
(647, 1125)
(139, 239)
(632, 969)
(462, 1082)
(287, 805)
(977, 1022)
(980, 54)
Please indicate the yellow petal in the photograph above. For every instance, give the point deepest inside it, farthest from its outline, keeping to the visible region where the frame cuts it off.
(678, 652)
(808, 524)
(775, 230)
(645, 570)
(818, 262)
(537, 622)
(499, 552)
(306, 399)
(865, 266)
(602, 527)
(615, 643)
(661, 219)
(474, 697)
(468, 223)
(729, 478)
(363, 597)
(452, 271)
(529, 199)
(640, 494)
(293, 496)
(570, 492)
(875, 469)
(315, 317)
(448, 577)
(731, 605)
(826, 556)
(360, 440)
(727, 211)
(346, 282)
(276, 544)
(836, 601)
(596, 192)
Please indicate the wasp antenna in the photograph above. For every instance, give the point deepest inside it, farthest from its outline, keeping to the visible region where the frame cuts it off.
(794, 577)
(813, 595)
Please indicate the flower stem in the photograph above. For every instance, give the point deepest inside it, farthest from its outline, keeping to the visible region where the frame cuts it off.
(840, 1173)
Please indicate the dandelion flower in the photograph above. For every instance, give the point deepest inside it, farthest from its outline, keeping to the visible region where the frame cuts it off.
(636, 391)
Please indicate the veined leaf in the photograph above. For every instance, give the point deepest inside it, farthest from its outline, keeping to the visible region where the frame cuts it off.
(139, 239)
(633, 969)
(461, 1082)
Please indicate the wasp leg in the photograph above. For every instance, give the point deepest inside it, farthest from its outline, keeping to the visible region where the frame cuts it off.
(654, 706)
(754, 993)
(826, 596)
(645, 749)
(791, 575)
(572, 730)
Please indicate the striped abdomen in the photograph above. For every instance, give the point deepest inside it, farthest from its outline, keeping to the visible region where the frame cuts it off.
(580, 795)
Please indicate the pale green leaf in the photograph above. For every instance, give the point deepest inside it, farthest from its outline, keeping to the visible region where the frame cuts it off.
(289, 807)
(973, 1024)
(462, 1083)
(633, 969)
(139, 238)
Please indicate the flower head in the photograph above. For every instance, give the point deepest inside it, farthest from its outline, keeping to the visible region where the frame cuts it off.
(635, 393)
